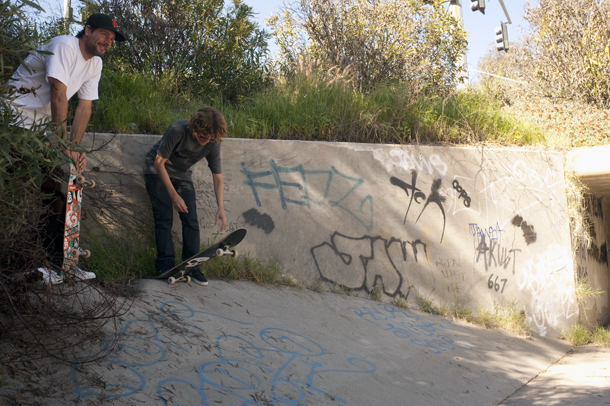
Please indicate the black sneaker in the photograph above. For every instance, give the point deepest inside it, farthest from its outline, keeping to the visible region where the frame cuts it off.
(198, 277)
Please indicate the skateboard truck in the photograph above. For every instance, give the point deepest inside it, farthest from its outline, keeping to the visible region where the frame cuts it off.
(76, 252)
(80, 179)
(181, 278)
(225, 251)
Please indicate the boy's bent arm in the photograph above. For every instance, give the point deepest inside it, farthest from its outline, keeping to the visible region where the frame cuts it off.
(177, 201)
(219, 192)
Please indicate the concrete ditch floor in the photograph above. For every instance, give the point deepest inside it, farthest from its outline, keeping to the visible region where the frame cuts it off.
(581, 378)
(243, 344)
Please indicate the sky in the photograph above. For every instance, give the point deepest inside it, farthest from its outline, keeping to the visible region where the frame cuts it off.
(480, 28)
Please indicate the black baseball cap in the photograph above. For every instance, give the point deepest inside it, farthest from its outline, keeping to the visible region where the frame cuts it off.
(100, 20)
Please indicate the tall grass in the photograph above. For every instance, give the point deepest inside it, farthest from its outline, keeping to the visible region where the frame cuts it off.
(579, 334)
(330, 109)
(243, 267)
(315, 106)
(505, 316)
(118, 257)
(136, 103)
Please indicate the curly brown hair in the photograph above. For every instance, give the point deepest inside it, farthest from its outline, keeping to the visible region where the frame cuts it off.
(208, 121)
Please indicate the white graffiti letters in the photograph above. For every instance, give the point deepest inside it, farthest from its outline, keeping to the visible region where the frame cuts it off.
(550, 282)
(408, 161)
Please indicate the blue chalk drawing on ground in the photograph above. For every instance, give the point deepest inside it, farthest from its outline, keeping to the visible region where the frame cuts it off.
(222, 374)
(241, 370)
(433, 336)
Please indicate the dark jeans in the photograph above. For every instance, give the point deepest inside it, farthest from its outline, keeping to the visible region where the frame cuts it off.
(53, 222)
(163, 212)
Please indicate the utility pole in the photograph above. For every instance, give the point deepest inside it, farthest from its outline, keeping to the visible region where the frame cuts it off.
(505, 12)
(67, 16)
(455, 8)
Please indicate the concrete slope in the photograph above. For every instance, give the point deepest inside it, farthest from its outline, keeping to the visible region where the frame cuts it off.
(240, 344)
(581, 378)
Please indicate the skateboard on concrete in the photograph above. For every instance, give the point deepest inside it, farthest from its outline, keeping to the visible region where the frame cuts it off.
(74, 196)
(180, 273)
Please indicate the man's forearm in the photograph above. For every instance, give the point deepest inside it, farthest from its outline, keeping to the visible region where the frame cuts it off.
(79, 125)
(59, 114)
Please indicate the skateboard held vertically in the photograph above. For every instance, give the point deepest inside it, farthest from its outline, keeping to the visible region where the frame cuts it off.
(74, 195)
(180, 272)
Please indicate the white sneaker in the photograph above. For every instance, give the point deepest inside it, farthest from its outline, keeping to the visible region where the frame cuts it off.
(82, 275)
(50, 276)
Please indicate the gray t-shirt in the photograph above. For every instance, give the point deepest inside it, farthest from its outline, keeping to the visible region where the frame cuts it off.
(182, 151)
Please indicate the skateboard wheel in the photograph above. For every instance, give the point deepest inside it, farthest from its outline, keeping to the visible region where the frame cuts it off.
(91, 184)
(86, 253)
(233, 253)
(171, 280)
(80, 179)
(188, 279)
(219, 252)
(74, 252)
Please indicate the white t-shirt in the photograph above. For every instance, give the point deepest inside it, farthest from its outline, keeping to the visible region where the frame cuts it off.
(67, 65)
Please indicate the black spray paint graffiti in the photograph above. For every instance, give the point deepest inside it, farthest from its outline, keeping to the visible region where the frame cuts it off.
(305, 199)
(462, 193)
(492, 254)
(593, 206)
(259, 220)
(352, 262)
(600, 254)
(528, 230)
(416, 194)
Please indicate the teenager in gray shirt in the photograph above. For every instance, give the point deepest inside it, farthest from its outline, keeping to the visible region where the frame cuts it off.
(168, 181)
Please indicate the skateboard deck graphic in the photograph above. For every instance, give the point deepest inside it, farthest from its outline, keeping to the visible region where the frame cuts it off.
(224, 247)
(72, 249)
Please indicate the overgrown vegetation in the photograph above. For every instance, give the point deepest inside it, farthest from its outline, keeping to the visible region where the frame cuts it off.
(321, 107)
(579, 334)
(505, 316)
(243, 267)
(206, 47)
(63, 320)
(379, 41)
(568, 55)
(561, 67)
(120, 256)
(139, 103)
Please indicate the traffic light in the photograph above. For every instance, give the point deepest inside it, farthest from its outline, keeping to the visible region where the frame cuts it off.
(477, 5)
(502, 38)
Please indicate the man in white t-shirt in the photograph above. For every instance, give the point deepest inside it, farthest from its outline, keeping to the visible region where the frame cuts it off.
(59, 69)
(63, 67)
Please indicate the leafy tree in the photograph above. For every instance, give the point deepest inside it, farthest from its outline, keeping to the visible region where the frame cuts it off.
(379, 40)
(566, 53)
(17, 37)
(210, 48)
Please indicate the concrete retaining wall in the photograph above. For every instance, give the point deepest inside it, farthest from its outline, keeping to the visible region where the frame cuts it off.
(479, 227)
